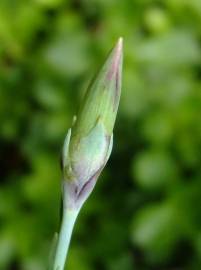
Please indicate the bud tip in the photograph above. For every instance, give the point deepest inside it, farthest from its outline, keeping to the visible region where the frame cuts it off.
(116, 58)
(120, 44)
(119, 49)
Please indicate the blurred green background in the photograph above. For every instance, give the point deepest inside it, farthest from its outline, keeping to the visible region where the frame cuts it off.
(145, 212)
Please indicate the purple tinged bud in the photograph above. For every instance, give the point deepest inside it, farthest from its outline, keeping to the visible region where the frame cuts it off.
(88, 143)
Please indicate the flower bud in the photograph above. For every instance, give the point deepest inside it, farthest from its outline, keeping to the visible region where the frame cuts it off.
(88, 143)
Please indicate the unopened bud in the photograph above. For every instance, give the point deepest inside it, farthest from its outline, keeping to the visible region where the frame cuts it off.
(88, 143)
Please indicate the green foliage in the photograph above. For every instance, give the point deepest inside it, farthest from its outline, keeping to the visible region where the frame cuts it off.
(145, 211)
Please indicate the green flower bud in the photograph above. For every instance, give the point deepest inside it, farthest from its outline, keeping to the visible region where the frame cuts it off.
(88, 143)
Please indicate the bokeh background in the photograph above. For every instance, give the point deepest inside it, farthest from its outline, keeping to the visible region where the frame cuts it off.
(145, 212)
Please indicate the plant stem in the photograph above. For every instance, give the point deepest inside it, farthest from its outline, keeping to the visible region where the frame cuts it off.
(67, 224)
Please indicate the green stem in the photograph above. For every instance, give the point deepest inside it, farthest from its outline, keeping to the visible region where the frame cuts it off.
(67, 224)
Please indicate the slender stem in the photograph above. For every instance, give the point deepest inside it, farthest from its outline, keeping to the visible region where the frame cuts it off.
(67, 224)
